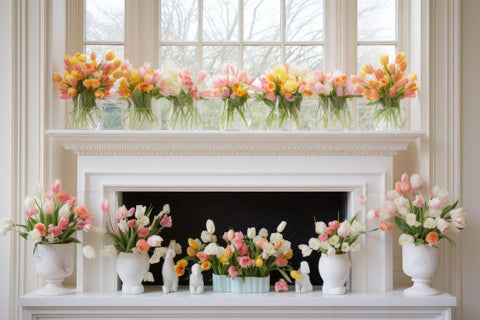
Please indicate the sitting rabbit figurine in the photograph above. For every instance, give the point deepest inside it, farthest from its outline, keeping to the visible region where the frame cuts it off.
(196, 280)
(170, 279)
(303, 285)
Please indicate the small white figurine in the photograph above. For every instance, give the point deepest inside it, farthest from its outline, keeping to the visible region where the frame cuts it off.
(196, 280)
(303, 285)
(170, 279)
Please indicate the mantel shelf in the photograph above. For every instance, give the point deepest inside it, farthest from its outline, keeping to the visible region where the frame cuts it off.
(247, 143)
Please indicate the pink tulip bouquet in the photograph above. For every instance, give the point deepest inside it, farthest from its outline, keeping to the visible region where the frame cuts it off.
(334, 90)
(424, 219)
(52, 218)
(233, 88)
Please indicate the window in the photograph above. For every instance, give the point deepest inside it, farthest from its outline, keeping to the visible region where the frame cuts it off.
(251, 34)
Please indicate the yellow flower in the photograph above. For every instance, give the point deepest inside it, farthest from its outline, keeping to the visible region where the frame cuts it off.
(241, 92)
(280, 74)
(134, 78)
(206, 265)
(291, 86)
(412, 77)
(77, 74)
(124, 83)
(224, 259)
(271, 86)
(288, 255)
(192, 243)
(182, 262)
(258, 261)
(56, 77)
(110, 55)
(400, 57)
(295, 274)
(72, 92)
(384, 59)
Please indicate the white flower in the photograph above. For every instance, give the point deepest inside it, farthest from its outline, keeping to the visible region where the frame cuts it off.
(34, 236)
(268, 250)
(314, 243)
(207, 237)
(442, 224)
(5, 226)
(99, 230)
(281, 226)
(211, 249)
(416, 181)
(263, 233)
(411, 220)
(331, 252)
(430, 223)
(155, 241)
(198, 241)
(143, 221)
(251, 233)
(122, 225)
(355, 247)
(148, 277)
(393, 194)
(220, 252)
(373, 214)
(406, 239)
(404, 211)
(334, 241)
(345, 247)
(286, 247)
(356, 228)
(38, 190)
(440, 193)
(344, 229)
(256, 239)
(50, 237)
(436, 204)
(434, 213)
(178, 248)
(48, 207)
(320, 227)
(108, 251)
(210, 226)
(89, 252)
(458, 218)
(325, 245)
(401, 202)
(64, 211)
(140, 211)
(29, 203)
(306, 250)
(274, 237)
(165, 209)
(158, 253)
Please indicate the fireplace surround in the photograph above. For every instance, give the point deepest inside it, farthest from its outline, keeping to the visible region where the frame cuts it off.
(110, 163)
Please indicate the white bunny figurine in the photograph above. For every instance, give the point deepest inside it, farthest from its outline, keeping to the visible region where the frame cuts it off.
(170, 279)
(196, 280)
(303, 285)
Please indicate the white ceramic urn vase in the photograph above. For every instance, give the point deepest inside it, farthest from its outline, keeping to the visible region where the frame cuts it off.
(334, 271)
(132, 268)
(420, 263)
(54, 262)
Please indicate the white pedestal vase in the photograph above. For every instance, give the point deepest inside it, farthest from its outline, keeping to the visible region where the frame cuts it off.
(132, 268)
(420, 263)
(54, 262)
(334, 271)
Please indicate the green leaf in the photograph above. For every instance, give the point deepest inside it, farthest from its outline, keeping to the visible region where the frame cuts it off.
(452, 243)
(402, 225)
(285, 275)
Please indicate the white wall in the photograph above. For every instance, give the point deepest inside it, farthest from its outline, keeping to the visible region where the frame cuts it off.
(6, 144)
(470, 73)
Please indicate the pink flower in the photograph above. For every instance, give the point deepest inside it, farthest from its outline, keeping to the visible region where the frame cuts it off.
(63, 224)
(281, 285)
(233, 272)
(436, 204)
(330, 231)
(84, 225)
(270, 96)
(419, 201)
(334, 224)
(261, 242)
(71, 201)
(155, 241)
(323, 237)
(201, 76)
(55, 186)
(245, 262)
(362, 200)
(281, 261)
(389, 207)
(50, 195)
(130, 212)
(105, 206)
(121, 213)
(373, 214)
(142, 232)
(132, 223)
(41, 229)
(225, 92)
(55, 230)
(166, 221)
(202, 256)
(243, 250)
(31, 212)
(48, 207)
(416, 181)
(385, 226)
(230, 234)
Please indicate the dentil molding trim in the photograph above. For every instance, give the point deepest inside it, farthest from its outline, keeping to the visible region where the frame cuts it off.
(249, 143)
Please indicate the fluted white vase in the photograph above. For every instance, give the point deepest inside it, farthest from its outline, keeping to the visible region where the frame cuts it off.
(54, 262)
(420, 263)
(334, 271)
(132, 268)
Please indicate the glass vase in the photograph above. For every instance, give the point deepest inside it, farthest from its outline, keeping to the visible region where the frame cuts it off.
(389, 116)
(184, 116)
(334, 114)
(85, 115)
(284, 114)
(235, 115)
(139, 113)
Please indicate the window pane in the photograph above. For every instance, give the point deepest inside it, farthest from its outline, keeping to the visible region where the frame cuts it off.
(104, 20)
(101, 50)
(258, 59)
(179, 20)
(262, 20)
(371, 54)
(376, 20)
(304, 20)
(310, 56)
(179, 57)
(214, 57)
(220, 20)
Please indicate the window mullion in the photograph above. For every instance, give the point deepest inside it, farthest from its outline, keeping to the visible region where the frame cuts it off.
(140, 38)
(283, 27)
(75, 26)
(240, 34)
(200, 35)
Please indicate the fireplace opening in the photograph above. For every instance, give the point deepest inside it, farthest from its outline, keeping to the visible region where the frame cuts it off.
(240, 210)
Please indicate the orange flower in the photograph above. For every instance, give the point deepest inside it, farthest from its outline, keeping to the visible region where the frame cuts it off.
(95, 83)
(288, 255)
(99, 94)
(402, 66)
(206, 265)
(110, 55)
(340, 81)
(372, 84)
(118, 74)
(87, 83)
(182, 262)
(400, 57)
(271, 86)
(385, 226)
(80, 211)
(278, 244)
(63, 196)
(308, 92)
(72, 92)
(41, 229)
(57, 77)
(432, 238)
(179, 270)
(228, 251)
(190, 251)
(203, 256)
(142, 245)
(93, 56)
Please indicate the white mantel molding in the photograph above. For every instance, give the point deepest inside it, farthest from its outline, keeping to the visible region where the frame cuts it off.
(240, 143)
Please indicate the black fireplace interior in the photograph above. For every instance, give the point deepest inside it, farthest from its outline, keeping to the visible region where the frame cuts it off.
(240, 210)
